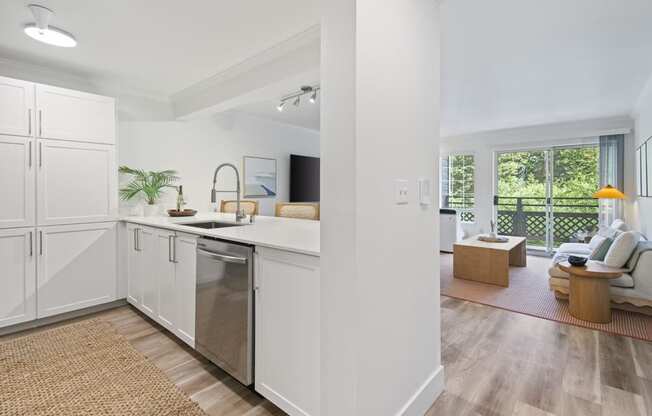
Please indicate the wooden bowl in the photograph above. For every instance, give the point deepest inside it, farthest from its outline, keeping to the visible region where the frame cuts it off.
(184, 213)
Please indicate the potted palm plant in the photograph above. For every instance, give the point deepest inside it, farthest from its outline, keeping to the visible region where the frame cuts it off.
(148, 183)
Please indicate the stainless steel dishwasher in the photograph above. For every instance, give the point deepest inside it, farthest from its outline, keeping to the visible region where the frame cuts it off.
(224, 308)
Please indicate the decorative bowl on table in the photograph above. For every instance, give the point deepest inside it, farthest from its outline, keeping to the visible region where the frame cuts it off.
(182, 213)
(577, 261)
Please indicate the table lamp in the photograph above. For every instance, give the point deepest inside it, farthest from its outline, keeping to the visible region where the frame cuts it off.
(608, 192)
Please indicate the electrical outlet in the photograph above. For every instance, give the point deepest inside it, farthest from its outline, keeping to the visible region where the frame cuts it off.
(401, 191)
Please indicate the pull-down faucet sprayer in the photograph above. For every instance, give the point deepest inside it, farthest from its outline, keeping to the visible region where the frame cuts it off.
(239, 215)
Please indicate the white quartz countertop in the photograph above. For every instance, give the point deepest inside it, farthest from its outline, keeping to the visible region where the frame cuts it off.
(296, 235)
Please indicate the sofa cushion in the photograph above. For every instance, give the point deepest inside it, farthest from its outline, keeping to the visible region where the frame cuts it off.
(596, 240)
(602, 249)
(619, 225)
(621, 249)
(575, 248)
(624, 281)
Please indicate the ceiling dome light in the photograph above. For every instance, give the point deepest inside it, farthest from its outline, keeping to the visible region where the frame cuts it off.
(41, 31)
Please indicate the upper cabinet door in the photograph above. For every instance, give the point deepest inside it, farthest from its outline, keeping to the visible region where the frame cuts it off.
(18, 276)
(73, 115)
(76, 182)
(16, 107)
(16, 181)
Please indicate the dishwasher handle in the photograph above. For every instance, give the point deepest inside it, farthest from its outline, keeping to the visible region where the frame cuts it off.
(222, 257)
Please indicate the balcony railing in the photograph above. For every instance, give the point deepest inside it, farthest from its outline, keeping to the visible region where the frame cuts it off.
(527, 216)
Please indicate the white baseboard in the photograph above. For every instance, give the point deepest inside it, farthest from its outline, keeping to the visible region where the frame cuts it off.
(425, 396)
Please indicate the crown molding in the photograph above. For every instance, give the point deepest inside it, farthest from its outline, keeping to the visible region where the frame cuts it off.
(309, 37)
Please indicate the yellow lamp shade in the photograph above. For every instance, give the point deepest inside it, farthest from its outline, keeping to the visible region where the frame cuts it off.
(609, 192)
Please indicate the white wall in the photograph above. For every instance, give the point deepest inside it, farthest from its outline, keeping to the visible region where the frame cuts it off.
(643, 117)
(380, 329)
(484, 145)
(195, 148)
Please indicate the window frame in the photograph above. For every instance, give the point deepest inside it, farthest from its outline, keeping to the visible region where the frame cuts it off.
(460, 211)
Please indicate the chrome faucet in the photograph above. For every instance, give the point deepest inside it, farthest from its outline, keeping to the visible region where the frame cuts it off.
(239, 214)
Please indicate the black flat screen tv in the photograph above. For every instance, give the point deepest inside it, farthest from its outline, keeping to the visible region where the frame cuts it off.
(304, 178)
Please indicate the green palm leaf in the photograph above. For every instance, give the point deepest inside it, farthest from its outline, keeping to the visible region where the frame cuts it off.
(150, 183)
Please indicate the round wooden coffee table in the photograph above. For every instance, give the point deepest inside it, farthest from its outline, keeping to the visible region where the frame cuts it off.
(589, 297)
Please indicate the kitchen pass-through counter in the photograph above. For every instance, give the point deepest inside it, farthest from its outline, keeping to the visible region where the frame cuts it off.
(288, 234)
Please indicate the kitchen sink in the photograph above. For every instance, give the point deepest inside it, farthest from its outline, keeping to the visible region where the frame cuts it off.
(211, 224)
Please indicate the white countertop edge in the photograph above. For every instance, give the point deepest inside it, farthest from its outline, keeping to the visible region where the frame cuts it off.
(257, 234)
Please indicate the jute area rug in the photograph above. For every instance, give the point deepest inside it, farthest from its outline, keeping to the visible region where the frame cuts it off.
(529, 293)
(85, 368)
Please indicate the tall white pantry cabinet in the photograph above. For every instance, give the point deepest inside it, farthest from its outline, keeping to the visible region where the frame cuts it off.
(58, 201)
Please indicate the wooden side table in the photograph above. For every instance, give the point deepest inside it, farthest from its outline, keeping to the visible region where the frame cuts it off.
(589, 297)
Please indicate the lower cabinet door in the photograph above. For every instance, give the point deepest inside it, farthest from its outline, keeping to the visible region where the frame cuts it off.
(17, 276)
(77, 267)
(164, 266)
(148, 246)
(135, 265)
(287, 330)
(185, 255)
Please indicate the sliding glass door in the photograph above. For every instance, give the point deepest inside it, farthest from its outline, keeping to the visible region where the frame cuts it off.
(545, 194)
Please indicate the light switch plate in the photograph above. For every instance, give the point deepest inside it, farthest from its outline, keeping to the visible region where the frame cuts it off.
(423, 191)
(401, 191)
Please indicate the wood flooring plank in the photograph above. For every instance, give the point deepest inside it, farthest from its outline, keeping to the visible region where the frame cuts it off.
(574, 406)
(642, 356)
(523, 409)
(581, 377)
(617, 402)
(616, 364)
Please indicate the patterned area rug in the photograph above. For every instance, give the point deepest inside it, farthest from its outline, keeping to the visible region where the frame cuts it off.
(528, 293)
(85, 368)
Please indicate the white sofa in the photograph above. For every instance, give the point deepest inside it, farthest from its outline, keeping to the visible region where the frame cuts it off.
(633, 288)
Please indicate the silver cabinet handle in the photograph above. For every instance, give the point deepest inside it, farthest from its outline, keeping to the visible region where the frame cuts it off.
(40, 236)
(40, 154)
(40, 123)
(170, 249)
(30, 153)
(174, 249)
(31, 245)
(222, 257)
(137, 239)
(29, 121)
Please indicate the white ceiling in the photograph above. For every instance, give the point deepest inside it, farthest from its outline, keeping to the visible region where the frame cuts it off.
(305, 115)
(508, 63)
(505, 63)
(160, 46)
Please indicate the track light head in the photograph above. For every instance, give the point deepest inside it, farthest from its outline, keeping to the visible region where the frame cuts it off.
(313, 97)
(280, 106)
(297, 101)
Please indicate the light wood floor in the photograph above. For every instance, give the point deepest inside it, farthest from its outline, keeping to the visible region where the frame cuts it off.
(496, 363)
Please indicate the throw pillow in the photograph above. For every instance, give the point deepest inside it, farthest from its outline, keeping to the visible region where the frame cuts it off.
(609, 232)
(619, 225)
(621, 249)
(600, 252)
(596, 241)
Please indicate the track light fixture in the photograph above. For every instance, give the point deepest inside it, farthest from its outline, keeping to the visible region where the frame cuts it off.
(296, 96)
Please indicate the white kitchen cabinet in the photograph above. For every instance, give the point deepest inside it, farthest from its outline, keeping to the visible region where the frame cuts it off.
(287, 330)
(77, 182)
(147, 245)
(17, 277)
(77, 267)
(74, 115)
(185, 255)
(17, 182)
(135, 266)
(162, 276)
(165, 276)
(16, 107)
